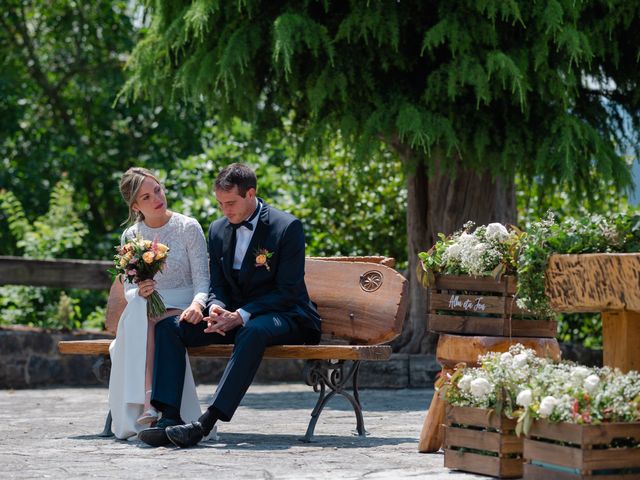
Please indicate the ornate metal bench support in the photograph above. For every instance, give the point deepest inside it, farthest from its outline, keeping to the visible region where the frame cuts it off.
(102, 369)
(330, 373)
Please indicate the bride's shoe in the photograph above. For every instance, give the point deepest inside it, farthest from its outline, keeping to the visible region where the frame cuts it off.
(148, 417)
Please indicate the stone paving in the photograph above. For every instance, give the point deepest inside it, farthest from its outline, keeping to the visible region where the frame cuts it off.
(51, 433)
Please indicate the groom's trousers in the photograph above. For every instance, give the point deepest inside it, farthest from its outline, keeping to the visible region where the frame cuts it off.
(172, 337)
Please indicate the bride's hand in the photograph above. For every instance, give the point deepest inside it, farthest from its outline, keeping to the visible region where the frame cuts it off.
(146, 287)
(193, 314)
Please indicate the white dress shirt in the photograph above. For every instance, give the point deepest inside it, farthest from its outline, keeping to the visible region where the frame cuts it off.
(243, 239)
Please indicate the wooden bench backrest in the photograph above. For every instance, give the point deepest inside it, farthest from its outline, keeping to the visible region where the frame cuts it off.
(362, 301)
(358, 301)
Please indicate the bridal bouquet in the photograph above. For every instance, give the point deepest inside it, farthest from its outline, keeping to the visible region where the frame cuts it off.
(139, 260)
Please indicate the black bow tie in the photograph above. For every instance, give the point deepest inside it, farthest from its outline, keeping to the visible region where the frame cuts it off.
(247, 223)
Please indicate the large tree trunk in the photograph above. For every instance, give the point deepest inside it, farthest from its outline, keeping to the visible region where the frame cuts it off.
(439, 202)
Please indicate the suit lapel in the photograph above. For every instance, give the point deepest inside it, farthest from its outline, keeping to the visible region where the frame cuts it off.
(257, 242)
(227, 254)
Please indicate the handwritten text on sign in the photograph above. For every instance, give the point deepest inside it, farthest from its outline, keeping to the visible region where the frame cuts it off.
(468, 304)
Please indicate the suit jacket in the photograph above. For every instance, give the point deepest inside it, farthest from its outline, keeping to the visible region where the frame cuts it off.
(280, 288)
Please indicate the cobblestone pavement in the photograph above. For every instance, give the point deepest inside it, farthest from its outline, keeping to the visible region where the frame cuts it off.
(51, 433)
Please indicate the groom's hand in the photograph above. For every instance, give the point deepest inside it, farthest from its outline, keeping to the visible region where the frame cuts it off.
(221, 320)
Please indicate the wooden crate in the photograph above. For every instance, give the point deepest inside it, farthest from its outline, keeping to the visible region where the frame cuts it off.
(480, 441)
(569, 451)
(467, 305)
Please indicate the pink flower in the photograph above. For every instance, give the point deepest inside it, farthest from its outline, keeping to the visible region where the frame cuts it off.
(132, 273)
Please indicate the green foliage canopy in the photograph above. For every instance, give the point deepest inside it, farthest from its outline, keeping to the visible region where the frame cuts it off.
(60, 68)
(543, 88)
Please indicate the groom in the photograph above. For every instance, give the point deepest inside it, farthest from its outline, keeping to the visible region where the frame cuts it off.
(257, 298)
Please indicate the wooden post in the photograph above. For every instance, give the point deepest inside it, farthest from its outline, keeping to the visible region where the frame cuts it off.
(432, 434)
(620, 339)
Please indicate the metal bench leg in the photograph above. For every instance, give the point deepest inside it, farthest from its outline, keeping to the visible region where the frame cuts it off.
(324, 373)
(102, 371)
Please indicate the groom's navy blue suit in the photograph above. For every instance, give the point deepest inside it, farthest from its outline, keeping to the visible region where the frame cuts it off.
(275, 296)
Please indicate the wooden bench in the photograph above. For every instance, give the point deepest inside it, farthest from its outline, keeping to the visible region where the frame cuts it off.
(362, 301)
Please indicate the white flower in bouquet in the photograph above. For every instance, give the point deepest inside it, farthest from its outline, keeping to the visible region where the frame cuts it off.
(453, 253)
(524, 398)
(464, 384)
(580, 373)
(591, 383)
(520, 360)
(496, 232)
(547, 405)
(480, 387)
(506, 357)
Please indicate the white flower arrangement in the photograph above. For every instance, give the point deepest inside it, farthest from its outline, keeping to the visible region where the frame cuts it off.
(485, 250)
(521, 385)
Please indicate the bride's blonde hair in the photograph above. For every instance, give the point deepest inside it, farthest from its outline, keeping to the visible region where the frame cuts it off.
(130, 185)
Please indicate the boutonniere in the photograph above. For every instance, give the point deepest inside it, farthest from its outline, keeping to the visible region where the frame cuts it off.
(262, 258)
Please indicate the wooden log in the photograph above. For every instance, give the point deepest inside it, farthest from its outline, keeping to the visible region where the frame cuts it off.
(60, 273)
(594, 282)
(432, 434)
(453, 349)
(620, 340)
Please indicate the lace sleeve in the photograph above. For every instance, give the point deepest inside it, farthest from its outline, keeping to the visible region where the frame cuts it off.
(198, 261)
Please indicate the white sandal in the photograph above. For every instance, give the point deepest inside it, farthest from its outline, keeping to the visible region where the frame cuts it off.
(148, 417)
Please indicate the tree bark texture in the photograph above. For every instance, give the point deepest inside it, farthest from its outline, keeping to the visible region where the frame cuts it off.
(442, 202)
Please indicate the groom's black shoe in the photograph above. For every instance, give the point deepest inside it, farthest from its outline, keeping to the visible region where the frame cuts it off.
(184, 436)
(157, 436)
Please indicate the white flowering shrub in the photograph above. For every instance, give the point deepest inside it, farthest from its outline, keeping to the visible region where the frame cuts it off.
(496, 383)
(521, 385)
(485, 250)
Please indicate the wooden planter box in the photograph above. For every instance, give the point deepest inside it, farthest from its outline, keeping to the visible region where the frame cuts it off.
(568, 451)
(467, 305)
(479, 441)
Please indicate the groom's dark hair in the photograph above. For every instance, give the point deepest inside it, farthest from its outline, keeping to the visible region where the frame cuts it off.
(236, 175)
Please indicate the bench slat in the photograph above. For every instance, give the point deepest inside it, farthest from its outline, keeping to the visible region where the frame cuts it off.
(307, 352)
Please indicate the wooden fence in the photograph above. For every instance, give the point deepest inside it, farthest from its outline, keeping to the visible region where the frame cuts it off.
(58, 273)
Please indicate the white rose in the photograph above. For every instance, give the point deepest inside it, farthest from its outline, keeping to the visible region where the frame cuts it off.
(524, 398)
(591, 383)
(496, 232)
(464, 383)
(505, 357)
(520, 360)
(547, 405)
(480, 387)
(580, 372)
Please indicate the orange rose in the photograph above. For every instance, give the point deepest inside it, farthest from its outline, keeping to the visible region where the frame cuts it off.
(261, 259)
(148, 257)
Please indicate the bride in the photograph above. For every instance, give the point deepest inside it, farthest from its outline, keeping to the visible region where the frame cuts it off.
(183, 285)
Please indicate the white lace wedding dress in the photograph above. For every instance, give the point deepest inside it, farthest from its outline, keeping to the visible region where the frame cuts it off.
(185, 279)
